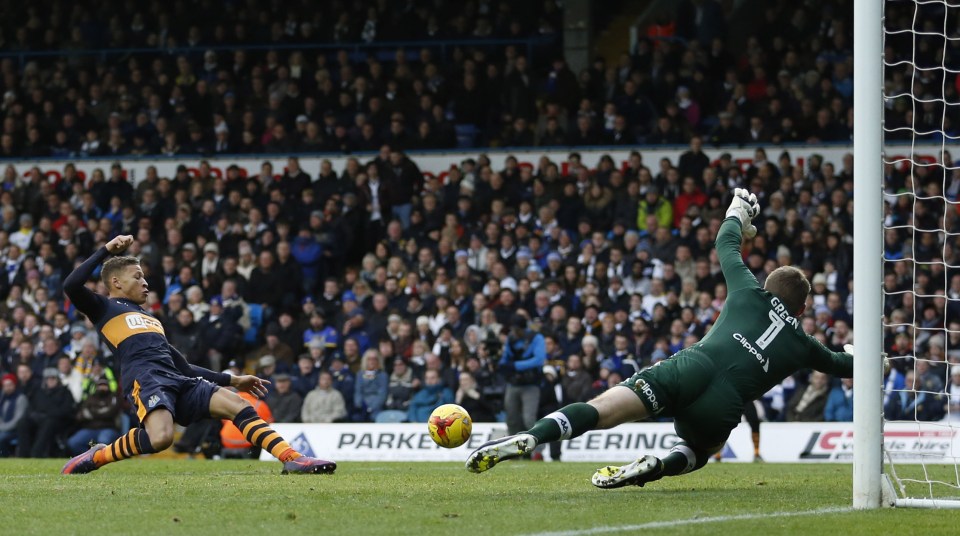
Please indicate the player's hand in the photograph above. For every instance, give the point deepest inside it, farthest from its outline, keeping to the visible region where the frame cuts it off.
(119, 244)
(848, 348)
(250, 384)
(745, 208)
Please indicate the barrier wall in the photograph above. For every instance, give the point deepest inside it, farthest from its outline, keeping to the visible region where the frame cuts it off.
(930, 443)
(411, 442)
(438, 164)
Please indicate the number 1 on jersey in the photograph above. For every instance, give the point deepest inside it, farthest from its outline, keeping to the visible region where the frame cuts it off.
(776, 324)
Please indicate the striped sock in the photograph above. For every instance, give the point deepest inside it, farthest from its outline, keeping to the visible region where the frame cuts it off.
(258, 432)
(133, 443)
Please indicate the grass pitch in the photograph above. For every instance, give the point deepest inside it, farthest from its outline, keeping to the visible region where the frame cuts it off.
(157, 496)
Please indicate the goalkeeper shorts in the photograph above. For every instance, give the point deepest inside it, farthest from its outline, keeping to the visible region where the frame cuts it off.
(689, 388)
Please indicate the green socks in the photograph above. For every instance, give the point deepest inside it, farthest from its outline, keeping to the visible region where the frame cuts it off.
(571, 421)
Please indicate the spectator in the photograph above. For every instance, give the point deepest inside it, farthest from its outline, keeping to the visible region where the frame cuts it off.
(808, 404)
(285, 402)
(324, 403)
(432, 394)
(470, 398)
(97, 418)
(13, 407)
(401, 386)
(840, 402)
(576, 382)
(51, 409)
(523, 358)
(914, 402)
(370, 394)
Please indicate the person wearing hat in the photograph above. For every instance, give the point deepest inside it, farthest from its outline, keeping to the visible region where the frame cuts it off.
(96, 419)
(162, 386)
(285, 401)
(13, 406)
(50, 410)
(521, 364)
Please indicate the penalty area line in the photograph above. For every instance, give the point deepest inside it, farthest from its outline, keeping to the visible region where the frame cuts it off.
(690, 521)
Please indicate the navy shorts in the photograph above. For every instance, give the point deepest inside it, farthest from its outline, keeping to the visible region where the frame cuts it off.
(188, 399)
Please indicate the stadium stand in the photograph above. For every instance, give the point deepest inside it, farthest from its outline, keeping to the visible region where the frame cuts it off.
(290, 272)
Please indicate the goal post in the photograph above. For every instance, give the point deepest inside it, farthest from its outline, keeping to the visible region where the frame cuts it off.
(906, 426)
(868, 252)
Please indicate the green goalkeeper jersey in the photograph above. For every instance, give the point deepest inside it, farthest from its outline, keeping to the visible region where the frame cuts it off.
(755, 342)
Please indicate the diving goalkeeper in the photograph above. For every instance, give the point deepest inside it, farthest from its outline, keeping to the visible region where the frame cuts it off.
(756, 342)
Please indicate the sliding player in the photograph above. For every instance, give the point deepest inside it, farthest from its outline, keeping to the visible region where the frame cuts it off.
(756, 342)
(160, 383)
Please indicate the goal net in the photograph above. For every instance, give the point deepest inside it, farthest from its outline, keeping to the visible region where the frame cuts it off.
(921, 252)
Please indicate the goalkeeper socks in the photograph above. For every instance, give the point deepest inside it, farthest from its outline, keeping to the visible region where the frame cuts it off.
(133, 443)
(571, 421)
(683, 459)
(258, 432)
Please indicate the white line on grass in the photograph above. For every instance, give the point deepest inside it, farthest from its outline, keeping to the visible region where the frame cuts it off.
(691, 521)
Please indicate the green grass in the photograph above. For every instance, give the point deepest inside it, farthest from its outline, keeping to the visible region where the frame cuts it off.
(172, 497)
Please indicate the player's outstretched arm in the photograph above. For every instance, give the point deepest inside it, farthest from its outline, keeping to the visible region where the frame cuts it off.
(829, 362)
(737, 224)
(74, 286)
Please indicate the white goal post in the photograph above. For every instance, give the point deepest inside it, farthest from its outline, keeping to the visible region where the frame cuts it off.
(872, 488)
(867, 252)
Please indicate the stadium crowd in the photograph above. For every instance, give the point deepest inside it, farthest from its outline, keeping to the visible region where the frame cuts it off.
(374, 292)
(361, 307)
(201, 89)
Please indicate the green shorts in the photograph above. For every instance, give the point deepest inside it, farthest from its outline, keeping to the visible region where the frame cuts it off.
(690, 388)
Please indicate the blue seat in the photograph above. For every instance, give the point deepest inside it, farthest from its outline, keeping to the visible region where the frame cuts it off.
(466, 135)
(391, 416)
(256, 320)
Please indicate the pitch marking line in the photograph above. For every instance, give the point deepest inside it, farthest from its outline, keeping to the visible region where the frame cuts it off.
(691, 521)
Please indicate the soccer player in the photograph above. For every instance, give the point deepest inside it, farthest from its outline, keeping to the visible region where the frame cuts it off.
(159, 382)
(756, 342)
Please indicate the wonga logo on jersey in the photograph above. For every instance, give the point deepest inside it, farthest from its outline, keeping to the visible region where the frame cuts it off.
(136, 321)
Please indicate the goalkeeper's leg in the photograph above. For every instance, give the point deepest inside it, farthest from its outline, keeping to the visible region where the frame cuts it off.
(618, 405)
(683, 458)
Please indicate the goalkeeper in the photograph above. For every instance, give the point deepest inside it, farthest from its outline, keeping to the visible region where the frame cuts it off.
(756, 342)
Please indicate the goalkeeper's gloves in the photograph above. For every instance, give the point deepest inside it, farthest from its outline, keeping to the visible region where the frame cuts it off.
(848, 348)
(745, 208)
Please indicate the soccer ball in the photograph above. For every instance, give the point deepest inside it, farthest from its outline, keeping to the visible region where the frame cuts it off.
(450, 426)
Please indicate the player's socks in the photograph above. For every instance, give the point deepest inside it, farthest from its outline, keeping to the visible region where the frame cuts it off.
(133, 443)
(756, 444)
(258, 432)
(571, 421)
(683, 459)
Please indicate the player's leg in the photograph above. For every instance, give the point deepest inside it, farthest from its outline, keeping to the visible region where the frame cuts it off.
(225, 404)
(753, 419)
(618, 405)
(154, 434)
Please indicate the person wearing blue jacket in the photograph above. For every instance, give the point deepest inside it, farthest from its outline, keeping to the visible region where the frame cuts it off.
(434, 393)
(840, 402)
(370, 393)
(522, 362)
(308, 253)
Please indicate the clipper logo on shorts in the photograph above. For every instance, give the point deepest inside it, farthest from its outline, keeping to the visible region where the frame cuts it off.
(644, 389)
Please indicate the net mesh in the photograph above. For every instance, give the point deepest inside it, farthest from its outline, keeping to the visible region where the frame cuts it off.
(921, 317)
